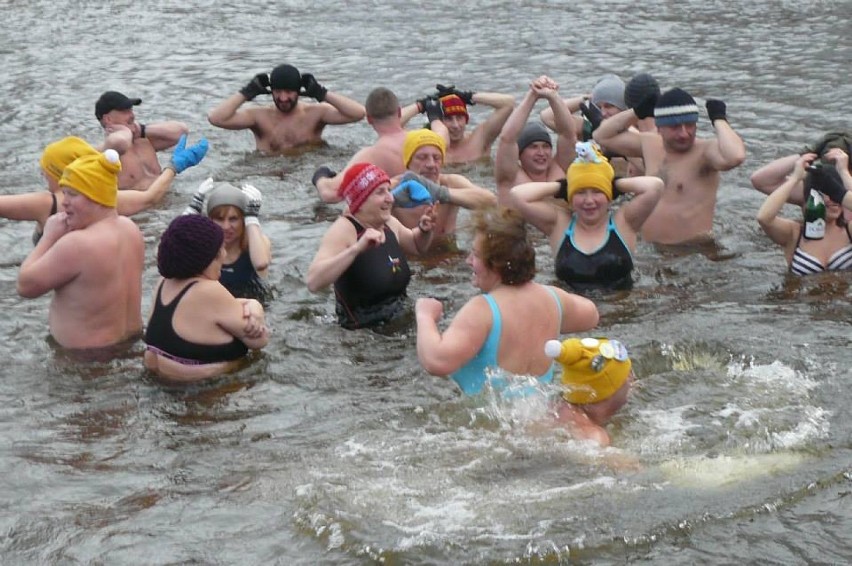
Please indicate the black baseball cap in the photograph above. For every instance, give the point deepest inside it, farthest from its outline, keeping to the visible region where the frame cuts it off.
(112, 100)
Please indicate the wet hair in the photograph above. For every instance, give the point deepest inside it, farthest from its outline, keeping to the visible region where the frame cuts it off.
(221, 212)
(505, 247)
(381, 103)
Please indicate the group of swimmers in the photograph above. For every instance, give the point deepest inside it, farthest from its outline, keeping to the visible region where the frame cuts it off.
(627, 164)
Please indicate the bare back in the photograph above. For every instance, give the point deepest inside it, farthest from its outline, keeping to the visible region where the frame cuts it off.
(529, 319)
(386, 153)
(102, 305)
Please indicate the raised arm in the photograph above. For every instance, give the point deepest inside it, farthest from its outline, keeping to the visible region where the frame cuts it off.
(506, 164)
(615, 135)
(227, 114)
(503, 104)
(337, 109)
(164, 135)
(729, 150)
(773, 174)
(783, 231)
(530, 200)
(647, 191)
(572, 105)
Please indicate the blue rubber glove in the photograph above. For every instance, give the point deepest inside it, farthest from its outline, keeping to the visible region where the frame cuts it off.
(438, 193)
(185, 157)
(411, 193)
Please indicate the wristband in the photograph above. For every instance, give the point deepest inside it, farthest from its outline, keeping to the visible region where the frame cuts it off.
(141, 130)
(252, 220)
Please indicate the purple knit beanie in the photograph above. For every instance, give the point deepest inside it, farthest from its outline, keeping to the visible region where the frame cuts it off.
(188, 246)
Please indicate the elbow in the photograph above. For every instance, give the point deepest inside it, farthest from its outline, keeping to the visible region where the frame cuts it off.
(27, 290)
(214, 119)
(313, 283)
(435, 367)
(758, 181)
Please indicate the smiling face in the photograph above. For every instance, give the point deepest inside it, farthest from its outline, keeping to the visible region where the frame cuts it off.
(536, 157)
(590, 205)
(376, 210)
(456, 125)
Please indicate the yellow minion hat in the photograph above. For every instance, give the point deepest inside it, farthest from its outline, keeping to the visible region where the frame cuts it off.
(593, 369)
(416, 139)
(95, 176)
(59, 154)
(590, 170)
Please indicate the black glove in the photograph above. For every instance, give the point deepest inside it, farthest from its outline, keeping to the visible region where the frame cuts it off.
(313, 88)
(716, 110)
(445, 90)
(433, 108)
(826, 180)
(259, 84)
(421, 104)
(322, 172)
(645, 108)
(592, 113)
(562, 192)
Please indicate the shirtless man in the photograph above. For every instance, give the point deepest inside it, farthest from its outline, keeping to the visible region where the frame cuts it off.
(139, 165)
(467, 146)
(383, 114)
(423, 155)
(287, 124)
(689, 167)
(525, 151)
(91, 258)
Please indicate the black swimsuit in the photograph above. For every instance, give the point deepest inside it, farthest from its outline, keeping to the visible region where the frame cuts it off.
(160, 336)
(53, 209)
(242, 280)
(609, 267)
(372, 290)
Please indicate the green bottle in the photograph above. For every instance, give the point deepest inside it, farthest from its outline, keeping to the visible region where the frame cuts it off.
(815, 216)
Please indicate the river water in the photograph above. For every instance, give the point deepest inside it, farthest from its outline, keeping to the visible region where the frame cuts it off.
(334, 447)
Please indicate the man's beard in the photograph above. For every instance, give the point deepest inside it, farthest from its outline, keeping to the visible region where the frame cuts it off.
(286, 106)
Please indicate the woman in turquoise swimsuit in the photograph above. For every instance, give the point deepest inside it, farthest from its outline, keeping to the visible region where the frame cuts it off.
(833, 252)
(504, 328)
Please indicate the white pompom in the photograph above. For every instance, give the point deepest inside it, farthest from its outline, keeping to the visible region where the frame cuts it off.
(552, 348)
(111, 156)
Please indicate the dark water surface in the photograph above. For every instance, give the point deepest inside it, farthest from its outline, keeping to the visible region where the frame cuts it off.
(334, 447)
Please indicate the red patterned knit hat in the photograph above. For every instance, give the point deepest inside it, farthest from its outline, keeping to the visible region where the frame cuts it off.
(359, 182)
(454, 105)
